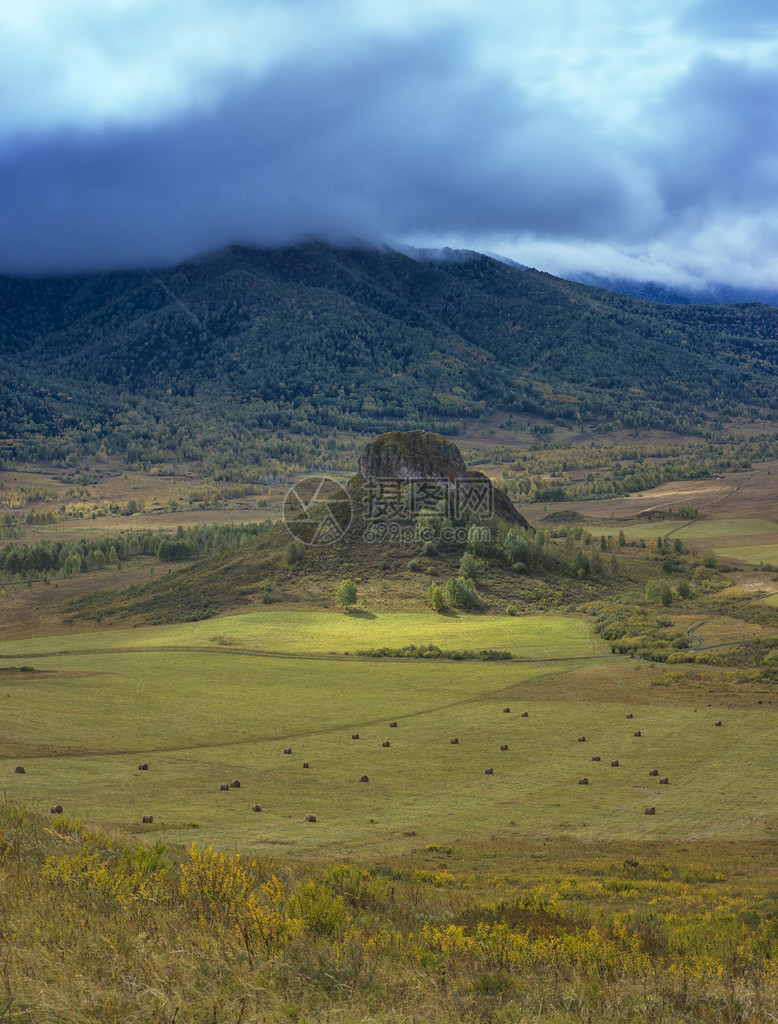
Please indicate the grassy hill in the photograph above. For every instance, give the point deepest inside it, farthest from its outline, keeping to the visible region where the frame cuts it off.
(210, 359)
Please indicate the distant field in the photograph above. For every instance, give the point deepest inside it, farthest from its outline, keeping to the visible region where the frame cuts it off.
(750, 540)
(82, 722)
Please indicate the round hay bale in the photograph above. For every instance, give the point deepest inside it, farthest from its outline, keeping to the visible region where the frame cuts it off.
(19, 770)
(718, 722)
(650, 810)
(355, 735)
(455, 740)
(582, 739)
(637, 733)
(55, 809)
(306, 764)
(393, 725)
(224, 786)
(256, 807)
(287, 750)
(506, 711)
(615, 764)
(583, 782)
(364, 778)
(143, 767)
(488, 771)
(654, 772)
(503, 746)
(386, 743)
(630, 715)
(596, 758)
(235, 784)
(664, 781)
(148, 819)
(525, 714)
(310, 817)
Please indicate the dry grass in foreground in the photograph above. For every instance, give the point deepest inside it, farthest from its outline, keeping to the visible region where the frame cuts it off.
(94, 930)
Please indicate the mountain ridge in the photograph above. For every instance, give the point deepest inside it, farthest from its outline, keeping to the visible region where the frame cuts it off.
(313, 338)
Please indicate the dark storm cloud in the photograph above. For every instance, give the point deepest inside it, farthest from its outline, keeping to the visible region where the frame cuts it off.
(398, 140)
(718, 147)
(611, 147)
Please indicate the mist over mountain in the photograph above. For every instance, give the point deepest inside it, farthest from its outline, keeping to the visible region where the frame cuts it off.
(654, 291)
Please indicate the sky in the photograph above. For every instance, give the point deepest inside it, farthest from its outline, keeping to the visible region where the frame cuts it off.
(631, 140)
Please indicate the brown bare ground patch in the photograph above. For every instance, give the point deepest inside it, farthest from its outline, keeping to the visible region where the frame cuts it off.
(36, 610)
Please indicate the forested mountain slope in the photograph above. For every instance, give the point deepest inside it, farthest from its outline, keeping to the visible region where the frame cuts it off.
(243, 342)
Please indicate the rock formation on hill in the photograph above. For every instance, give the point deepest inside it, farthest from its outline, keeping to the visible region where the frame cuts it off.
(427, 458)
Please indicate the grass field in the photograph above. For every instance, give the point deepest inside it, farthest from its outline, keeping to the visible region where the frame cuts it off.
(293, 631)
(433, 892)
(82, 721)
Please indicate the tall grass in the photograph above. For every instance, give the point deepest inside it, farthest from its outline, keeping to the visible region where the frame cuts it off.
(94, 930)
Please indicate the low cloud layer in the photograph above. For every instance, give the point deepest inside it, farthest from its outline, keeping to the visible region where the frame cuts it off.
(416, 127)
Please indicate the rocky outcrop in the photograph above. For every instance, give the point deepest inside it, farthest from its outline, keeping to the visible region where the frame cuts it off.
(417, 455)
(413, 455)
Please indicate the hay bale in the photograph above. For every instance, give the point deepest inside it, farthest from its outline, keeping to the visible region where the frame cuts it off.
(596, 758)
(235, 784)
(615, 764)
(630, 715)
(525, 714)
(143, 767)
(19, 770)
(55, 809)
(364, 778)
(224, 786)
(503, 746)
(306, 764)
(386, 743)
(718, 722)
(637, 733)
(488, 771)
(583, 782)
(287, 750)
(256, 807)
(654, 772)
(148, 819)
(393, 725)
(664, 781)
(455, 740)
(506, 711)
(355, 735)
(310, 817)
(582, 739)
(650, 810)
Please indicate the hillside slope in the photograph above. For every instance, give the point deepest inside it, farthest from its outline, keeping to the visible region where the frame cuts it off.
(313, 338)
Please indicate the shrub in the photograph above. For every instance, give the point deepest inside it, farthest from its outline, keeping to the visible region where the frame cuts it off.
(479, 540)
(436, 598)
(468, 566)
(346, 593)
(460, 592)
(293, 552)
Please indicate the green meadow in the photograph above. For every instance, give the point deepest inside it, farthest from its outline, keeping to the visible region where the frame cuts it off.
(99, 704)
(292, 631)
